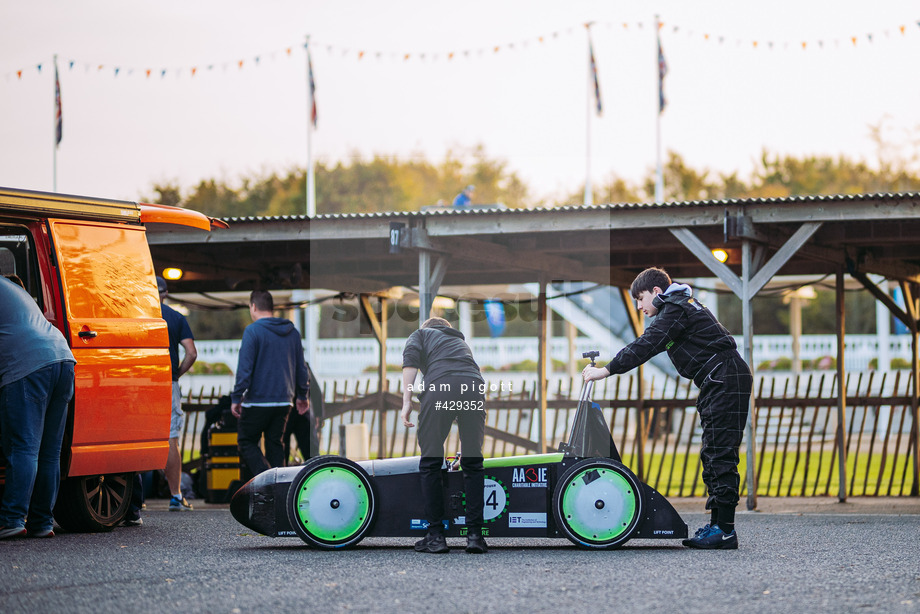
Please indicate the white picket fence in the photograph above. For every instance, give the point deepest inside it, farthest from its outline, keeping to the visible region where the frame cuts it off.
(336, 357)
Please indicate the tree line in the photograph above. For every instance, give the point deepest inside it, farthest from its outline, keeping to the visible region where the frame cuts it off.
(389, 183)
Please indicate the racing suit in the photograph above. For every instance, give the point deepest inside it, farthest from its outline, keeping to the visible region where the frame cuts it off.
(702, 350)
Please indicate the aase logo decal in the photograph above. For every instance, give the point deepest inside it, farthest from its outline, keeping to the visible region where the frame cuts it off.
(529, 477)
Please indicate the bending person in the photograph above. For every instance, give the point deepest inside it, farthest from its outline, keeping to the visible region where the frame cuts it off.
(453, 390)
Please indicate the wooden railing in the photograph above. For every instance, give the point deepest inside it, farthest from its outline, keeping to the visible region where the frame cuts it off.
(658, 437)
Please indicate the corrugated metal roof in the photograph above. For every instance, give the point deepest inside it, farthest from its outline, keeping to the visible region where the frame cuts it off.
(742, 202)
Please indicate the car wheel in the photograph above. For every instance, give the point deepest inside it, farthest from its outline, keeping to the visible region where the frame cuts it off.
(94, 502)
(331, 503)
(597, 503)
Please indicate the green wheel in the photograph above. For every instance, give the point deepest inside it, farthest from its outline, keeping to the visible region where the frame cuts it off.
(331, 503)
(597, 503)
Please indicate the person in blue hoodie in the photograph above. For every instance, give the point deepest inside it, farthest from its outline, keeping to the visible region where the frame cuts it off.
(704, 351)
(271, 375)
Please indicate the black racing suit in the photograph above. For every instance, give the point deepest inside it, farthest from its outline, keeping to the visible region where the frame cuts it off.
(453, 390)
(702, 350)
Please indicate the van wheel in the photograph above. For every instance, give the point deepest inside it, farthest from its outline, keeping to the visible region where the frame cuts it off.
(94, 502)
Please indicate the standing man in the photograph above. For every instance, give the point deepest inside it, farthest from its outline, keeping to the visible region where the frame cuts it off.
(179, 334)
(464, 198)
(270, 374)
(36, 385)
(453, 389)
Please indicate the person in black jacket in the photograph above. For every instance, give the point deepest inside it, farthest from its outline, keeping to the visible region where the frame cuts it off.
(704, 351)
(452, 389)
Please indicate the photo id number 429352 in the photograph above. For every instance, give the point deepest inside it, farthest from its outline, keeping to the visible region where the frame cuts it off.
(458, 405)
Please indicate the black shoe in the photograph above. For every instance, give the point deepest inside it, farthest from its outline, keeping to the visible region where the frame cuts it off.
(476, 544)
(714, 539)
(433, 543)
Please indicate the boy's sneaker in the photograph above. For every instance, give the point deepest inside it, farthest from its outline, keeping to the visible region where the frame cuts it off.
(476, 544)
(432, 543)
(8, 532)
(179, 504)
(43, 533)
(701, 531)
(136, 522)
(714, 539)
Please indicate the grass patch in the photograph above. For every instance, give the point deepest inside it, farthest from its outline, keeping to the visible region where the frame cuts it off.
(679, 475)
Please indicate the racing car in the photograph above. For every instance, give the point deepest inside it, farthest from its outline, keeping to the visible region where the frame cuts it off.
(582, 492)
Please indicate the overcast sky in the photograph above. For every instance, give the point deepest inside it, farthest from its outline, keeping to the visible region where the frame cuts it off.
(526, 103)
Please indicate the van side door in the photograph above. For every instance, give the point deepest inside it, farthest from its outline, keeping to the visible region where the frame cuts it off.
(122, 399)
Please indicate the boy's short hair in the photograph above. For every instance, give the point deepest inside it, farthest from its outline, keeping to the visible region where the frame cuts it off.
(648, 279)
(262, 300)
(435, 322)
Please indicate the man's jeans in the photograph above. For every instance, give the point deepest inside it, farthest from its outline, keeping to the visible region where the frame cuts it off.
(33, 414)
(252, 423)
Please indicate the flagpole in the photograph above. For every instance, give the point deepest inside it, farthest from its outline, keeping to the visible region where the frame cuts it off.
(659, 175)
(55, 138)
(589, 195)
(311, 180)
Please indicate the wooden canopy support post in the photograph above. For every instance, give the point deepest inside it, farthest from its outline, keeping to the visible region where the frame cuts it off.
(910, 316)
(913, 312)
(638, 326)
(754, 276)
(841, 389)
(542, 322)
(379, 327)
(747, 325)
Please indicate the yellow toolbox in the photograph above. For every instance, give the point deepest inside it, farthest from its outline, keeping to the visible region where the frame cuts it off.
(222, 466)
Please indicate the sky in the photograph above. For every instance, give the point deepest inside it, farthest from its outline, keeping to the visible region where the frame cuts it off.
(420, 79)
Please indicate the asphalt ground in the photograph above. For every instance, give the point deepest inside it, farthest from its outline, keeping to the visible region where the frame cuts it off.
(795, 555)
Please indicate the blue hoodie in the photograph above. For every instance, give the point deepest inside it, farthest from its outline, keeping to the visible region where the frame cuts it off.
(271, 369)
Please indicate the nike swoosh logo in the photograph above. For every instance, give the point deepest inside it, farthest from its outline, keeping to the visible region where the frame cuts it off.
(724, 537)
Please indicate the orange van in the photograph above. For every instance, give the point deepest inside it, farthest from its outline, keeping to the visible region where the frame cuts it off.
(86, 263)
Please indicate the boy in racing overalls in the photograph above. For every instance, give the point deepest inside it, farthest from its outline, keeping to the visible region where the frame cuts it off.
(704, 351)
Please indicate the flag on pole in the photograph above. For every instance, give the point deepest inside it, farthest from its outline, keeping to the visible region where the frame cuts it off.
(312, 87)
(58, 117)
(662, 71)
(597, 86)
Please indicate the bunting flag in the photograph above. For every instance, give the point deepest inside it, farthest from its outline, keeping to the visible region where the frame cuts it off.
(312, 86)
(662, 71)
(597, 85)
(58, 117)
(706, 36)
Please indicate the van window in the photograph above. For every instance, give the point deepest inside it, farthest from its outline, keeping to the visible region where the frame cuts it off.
(17, 257)
(107, 271)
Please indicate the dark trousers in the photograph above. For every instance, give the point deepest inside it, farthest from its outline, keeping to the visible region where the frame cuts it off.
(253, 423)
(434, 424)
(137, 499)
(723, 403)
(33, 415)
(304, 429)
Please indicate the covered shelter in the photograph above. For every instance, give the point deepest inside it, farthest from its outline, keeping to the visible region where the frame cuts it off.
(367, 254)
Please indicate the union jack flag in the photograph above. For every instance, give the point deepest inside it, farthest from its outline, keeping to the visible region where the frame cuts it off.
(58, 117)
(312, 88)
(662, 71)
(597, 86)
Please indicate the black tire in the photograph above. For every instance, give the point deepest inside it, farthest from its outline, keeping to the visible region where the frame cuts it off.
(94, 503)
(331, 503)
(597, 503)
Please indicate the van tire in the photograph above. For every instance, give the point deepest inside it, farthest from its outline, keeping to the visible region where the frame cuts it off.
(93, 503)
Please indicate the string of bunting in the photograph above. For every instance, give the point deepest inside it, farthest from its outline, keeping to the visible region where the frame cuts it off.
(434, 56)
